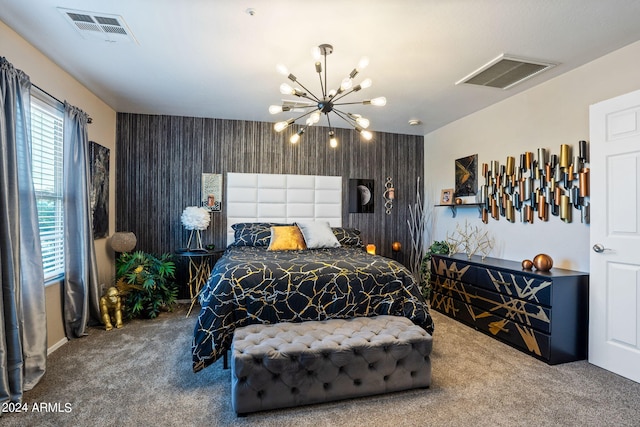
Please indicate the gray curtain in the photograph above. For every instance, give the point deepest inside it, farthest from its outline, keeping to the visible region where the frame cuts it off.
(23, 328)
(81, 289)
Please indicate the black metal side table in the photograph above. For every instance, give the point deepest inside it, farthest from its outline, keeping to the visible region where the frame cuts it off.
(200, 264)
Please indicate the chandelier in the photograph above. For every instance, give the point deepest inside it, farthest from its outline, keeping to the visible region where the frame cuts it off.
(327, 102)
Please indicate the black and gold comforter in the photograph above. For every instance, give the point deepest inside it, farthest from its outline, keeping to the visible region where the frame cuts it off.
(253, 285)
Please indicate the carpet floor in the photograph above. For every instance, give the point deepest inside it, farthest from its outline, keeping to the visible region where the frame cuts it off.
(141, 375)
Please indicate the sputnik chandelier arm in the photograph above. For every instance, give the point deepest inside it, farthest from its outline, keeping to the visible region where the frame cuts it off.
(327, 102)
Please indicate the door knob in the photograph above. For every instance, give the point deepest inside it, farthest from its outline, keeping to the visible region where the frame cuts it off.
(599, 248)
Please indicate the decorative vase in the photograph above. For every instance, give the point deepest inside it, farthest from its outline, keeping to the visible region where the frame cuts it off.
(123, 241)
(543, 262)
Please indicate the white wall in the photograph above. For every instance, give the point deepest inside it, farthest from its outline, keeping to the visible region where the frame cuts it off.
(553, 113)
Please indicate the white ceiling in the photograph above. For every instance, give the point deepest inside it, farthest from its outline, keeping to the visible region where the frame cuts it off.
(210, 58)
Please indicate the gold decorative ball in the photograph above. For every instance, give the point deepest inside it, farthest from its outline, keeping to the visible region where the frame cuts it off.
(458, 201)
(543, 262)
(396, 246)
(527, 264)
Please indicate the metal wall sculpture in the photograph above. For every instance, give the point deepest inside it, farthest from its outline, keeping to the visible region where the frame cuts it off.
(544, 183)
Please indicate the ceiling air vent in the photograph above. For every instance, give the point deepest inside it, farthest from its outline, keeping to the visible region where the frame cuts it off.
(99, 26)
(505, 72)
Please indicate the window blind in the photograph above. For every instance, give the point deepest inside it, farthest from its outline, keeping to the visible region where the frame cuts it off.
(47, 162)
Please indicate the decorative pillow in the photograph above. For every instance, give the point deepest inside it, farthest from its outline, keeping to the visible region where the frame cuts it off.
(318, 235)
(252, 233)
(348, 236)
(286, 238)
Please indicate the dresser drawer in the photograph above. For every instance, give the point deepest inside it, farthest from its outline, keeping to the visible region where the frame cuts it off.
(453, 269)
(527, 288)
(505, 306)
(522, 285)
(523, 337)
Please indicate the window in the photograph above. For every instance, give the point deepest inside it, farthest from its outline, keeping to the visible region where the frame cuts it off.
(47, 154)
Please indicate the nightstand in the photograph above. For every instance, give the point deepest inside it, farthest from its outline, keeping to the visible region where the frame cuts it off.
(200, 263)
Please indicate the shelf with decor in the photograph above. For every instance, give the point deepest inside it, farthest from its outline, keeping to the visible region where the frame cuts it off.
(454, 207)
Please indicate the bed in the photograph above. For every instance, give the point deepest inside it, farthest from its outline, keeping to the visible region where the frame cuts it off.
(309, 269)
(252, 284)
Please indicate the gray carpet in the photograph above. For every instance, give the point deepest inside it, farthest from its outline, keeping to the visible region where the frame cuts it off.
(141, 375)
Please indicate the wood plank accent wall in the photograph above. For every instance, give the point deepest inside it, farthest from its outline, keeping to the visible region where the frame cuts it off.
(161, 158)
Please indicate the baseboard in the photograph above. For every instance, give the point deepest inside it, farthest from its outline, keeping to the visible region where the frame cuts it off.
(56, 346)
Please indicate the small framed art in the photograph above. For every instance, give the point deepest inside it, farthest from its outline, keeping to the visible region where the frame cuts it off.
(446, 196)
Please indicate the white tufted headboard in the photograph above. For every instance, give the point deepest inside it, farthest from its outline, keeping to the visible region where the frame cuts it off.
(253, 197)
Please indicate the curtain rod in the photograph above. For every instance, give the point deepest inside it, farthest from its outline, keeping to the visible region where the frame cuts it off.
(89, 119)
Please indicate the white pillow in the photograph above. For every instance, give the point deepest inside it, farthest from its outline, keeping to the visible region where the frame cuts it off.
(318, 235)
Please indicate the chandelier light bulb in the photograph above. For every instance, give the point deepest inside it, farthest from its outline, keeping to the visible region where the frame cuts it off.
(332, 93)
(333, 141)
(309, 121)
(364, 61)
(296, 136)
(362, 122)
(315, 116)
(366, 134)
(275, 109)
(286, 89)
(346, 84)
(316, 53)
(379, 102)
(366, 83)
(280, 126)
(282, 70)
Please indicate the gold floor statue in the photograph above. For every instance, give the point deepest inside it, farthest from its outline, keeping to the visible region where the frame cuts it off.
(111, 309)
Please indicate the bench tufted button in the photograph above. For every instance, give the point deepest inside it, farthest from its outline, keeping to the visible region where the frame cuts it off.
(357, 381)
(243, 379)
(386, 378)
(275, 376)
(413, 373)
(371, 366)
(260, 393)
(294, 390)
(326, 386)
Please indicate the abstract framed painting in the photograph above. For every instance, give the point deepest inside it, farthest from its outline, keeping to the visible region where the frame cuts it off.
(99, 170)
(466, 176)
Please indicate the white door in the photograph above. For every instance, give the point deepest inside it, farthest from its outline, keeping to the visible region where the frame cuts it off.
(614, 294)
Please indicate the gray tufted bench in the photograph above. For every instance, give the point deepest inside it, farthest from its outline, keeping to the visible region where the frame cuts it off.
(291, 364)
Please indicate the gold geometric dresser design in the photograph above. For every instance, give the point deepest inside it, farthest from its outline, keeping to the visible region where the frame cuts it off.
(544, 314)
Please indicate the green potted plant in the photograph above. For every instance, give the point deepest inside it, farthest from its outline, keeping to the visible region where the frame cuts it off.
(437, 247)
(145, 283)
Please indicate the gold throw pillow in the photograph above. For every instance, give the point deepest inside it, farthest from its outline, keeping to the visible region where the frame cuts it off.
(286, 238)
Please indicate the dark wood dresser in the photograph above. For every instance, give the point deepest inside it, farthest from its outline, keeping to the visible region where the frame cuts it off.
(544, 314)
